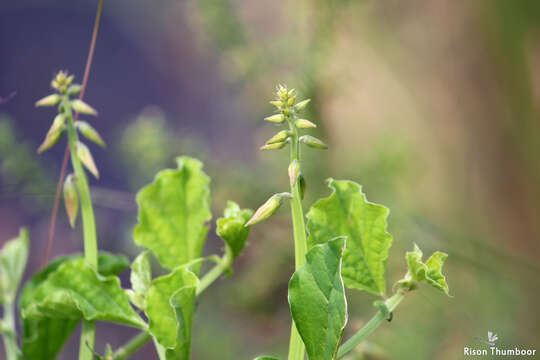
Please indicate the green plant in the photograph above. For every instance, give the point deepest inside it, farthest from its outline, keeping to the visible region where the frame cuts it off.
(343, 244)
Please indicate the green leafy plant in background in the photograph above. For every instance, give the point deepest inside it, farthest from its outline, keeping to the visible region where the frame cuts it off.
(343, 244)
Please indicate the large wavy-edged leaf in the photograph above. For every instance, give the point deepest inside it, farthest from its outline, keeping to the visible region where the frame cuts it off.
(43, 337)
(74, 291)
(346, 212)
(13, 257)
(170, 303)
(317, 300)
(174, 212)
(231, 227)
(141, 280)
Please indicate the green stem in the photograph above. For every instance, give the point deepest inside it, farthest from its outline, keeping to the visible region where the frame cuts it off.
(10, 335)
(372, 324)
(86, 346)
(212, 275)
(208, 279)
(132, 346)
(296, 345)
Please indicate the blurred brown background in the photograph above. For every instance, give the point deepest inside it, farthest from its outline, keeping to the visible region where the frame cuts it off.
(433, 106)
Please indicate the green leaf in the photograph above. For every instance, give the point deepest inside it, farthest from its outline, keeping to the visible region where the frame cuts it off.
(317, 300)
(346, 212)
(111, 264)
(231, 227)
(141, 279)
(170, 303)
(174, 212)
(75, 291)
(13, 257)
(429, 272)
(43, 338)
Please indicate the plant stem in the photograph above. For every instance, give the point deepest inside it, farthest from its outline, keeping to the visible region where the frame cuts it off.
(208, 279)
(86, 346)
(89, 59)
(10, 337)
(296, 345)
(132, 346)
(215, 272)
(371, 325)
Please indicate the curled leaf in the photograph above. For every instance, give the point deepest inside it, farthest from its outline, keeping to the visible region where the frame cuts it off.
(429, 272)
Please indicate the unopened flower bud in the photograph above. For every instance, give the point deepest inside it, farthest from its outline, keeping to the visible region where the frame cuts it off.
(282, 93)
(294, 172)
(86, 158)
(50, 100)
(268, 208)
(89, 132)
(302, 105)
(275, 146)
(54, 134)
(71, 199)
(291, 101)
(312, 142)
(304, 124)
(74, 89)
(279, 137)
(83, 108)
(277, 103)
(291, 92)
(277, 118)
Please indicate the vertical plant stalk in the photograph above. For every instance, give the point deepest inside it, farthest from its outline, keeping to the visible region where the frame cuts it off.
(296, 345)
(86, 349)
(10, 339)
(89, 59)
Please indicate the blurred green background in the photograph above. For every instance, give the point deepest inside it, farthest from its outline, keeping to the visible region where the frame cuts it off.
(432, 106)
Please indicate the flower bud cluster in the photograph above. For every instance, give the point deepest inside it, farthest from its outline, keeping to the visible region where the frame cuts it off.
(64, 122)
(288, 110)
